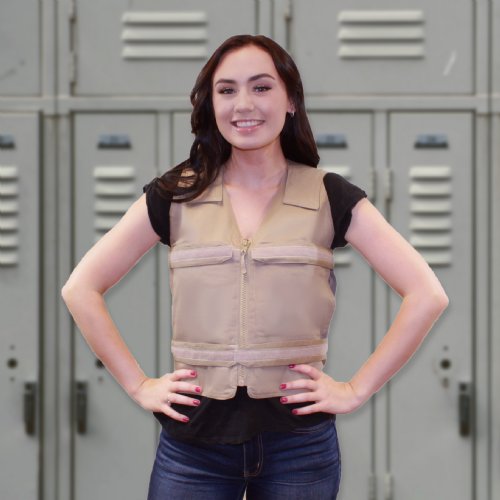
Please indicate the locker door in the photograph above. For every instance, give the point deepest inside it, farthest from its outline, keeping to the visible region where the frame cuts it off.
(344, 144)
(385, 47)
(19, 305)
(152, 46)
(114, 439)
(20, 41)
(431, 401)
(182, 137)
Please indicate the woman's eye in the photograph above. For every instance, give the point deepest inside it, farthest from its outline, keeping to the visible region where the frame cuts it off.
(262, 88)
(225, 90)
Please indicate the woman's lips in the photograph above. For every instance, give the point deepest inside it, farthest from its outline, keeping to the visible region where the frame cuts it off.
(247, 124)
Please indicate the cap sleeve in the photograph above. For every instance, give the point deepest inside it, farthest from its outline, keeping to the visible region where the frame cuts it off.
(343, 196)
(158, 204)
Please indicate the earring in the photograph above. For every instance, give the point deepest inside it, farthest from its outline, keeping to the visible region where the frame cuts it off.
(292, 114)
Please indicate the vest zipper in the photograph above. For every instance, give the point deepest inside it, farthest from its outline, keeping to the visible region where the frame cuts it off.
(243, 305)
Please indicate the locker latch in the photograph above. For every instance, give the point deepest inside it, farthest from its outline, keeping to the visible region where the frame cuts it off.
(29, 407)
(81, 407)
(465, 408)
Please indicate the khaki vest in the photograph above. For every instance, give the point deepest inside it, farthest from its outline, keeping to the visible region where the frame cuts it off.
(243, 310)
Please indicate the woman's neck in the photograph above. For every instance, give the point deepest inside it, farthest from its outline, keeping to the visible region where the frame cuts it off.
(255, 169)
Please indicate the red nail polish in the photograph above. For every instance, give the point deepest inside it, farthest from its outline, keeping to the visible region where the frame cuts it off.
(193, 373)
(196, 402)
(294, 412)
(282, 386)
(291, 366)
(198, 389)
(185, 419)
(283, 400)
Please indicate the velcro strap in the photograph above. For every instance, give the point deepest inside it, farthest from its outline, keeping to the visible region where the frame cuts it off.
(268, 356)
(301, 254)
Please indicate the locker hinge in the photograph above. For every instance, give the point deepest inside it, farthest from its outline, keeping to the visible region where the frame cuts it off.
(72, 53)
(388, 486)
(372, 185)
(389, 173)
(72, 11)
(372, 487)
(287, 14)
(72, 68)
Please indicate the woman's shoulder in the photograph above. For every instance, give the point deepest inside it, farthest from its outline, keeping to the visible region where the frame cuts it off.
(305, 171)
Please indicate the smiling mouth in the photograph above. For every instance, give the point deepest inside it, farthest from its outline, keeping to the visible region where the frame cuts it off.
(247, 123)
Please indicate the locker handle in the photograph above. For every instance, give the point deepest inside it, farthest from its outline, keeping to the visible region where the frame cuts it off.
(29, 410)
(114, 141)
(431, 141)
(7, 141)
(81, 407)
(465, 408)
(336, 141)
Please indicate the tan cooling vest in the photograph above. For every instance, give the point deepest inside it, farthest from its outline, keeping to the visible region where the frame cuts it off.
(243, 310)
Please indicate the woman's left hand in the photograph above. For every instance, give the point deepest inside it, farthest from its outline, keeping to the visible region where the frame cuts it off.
(326, 394)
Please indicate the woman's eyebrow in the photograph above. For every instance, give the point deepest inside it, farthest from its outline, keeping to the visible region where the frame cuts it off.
(251, 79)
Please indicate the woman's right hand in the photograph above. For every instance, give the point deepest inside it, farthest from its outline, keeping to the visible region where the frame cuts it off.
(157, 394)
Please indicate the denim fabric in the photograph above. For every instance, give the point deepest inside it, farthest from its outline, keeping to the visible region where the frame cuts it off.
(303, 464)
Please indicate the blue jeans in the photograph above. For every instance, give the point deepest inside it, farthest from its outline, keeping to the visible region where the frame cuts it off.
(298, 465)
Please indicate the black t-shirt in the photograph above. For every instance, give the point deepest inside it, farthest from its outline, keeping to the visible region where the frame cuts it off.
(240, 418)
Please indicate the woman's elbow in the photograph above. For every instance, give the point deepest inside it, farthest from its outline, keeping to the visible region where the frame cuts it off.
(438, 300)
(72, 289)
(80, 288)
(67, 291)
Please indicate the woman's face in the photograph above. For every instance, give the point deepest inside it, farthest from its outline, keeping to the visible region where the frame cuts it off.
(249, 99)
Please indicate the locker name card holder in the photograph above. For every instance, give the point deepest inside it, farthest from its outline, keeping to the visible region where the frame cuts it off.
(114, 141)
(7, 141)
(431, 141)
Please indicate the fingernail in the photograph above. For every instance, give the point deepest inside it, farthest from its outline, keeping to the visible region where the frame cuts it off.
(295, 412)
(193, 373)
(185, 419)
(283, 400)
(282, 386)
(198, 389)
(291, 366)
(196, 402)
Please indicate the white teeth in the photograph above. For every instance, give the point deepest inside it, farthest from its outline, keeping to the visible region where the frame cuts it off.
(247, 123)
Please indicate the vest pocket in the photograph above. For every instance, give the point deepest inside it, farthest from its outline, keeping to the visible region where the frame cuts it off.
(293, 292)
(200, 256)
(205, 284)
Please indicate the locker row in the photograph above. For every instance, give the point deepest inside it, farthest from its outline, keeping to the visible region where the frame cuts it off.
(157, 47)
(422, 420)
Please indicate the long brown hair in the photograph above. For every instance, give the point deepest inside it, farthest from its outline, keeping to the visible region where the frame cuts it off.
(210, 150)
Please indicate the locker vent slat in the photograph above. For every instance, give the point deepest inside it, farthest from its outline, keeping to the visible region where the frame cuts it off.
(114, 192)
(431, 212)
(164, 35)
(342, 256)
(386, 34)
(9, 215)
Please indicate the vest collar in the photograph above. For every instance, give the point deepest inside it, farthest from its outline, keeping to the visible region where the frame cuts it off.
(296, 192)
(213, 193)
(297, 177)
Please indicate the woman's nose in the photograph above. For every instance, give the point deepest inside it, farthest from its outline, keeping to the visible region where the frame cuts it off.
(244, 101)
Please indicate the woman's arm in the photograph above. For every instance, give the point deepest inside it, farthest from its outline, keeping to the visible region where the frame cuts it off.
(423, 300)
(103, 266)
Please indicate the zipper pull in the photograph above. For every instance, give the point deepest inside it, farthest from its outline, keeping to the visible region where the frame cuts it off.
(244, 249)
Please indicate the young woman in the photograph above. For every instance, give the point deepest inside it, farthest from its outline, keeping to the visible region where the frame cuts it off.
(251, 224)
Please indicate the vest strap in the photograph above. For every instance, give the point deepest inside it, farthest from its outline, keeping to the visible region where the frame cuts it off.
(268, 356)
